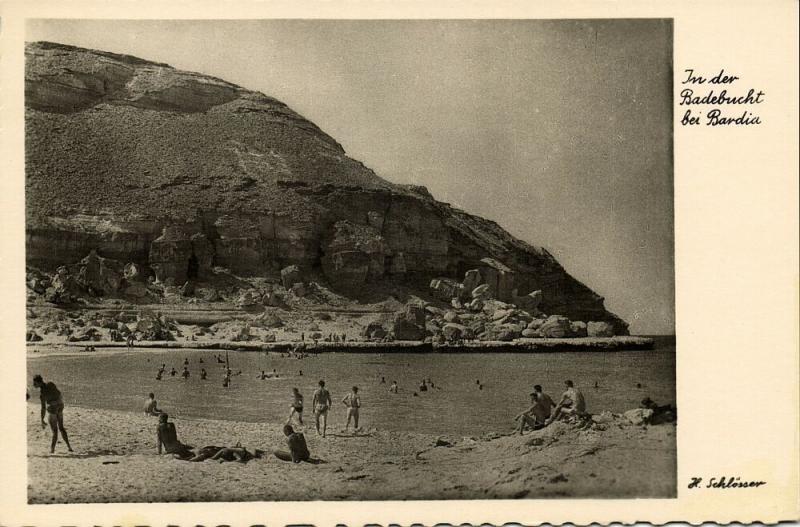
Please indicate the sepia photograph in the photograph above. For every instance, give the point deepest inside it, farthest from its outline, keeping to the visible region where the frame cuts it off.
(324, 260)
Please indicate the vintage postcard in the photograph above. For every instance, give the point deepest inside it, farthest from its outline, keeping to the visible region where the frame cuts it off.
(335, 263)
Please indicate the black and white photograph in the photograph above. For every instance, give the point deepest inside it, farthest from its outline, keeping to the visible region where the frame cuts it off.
(323, 260)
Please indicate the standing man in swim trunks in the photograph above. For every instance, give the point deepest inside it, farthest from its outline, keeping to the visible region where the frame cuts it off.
(322, 402)
(353, 402)
(53, 406)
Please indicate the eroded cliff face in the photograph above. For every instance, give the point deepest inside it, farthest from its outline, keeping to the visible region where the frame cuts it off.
(178, 172)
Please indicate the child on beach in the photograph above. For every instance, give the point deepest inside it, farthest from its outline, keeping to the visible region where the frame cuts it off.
(53, 406)
(321, 403)
(296, 406)
(352, 402)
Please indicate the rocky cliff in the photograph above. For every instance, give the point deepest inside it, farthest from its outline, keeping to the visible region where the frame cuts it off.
(179, 172)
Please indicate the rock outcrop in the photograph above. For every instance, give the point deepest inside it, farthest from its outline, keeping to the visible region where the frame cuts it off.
(178, 172)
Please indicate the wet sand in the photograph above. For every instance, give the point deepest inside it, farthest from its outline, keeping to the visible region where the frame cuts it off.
(116, 460)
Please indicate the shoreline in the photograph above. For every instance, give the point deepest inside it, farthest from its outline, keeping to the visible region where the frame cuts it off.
(537, 345)
(115, 460)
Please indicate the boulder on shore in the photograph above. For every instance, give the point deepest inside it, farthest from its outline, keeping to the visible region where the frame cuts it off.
(599, 329)
(556, 326)
(410, 324)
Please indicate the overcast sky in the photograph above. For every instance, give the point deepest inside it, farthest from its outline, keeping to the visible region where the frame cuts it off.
(561, 131)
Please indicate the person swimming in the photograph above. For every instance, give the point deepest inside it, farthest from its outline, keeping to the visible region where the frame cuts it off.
(262, 375)
(423, 387)
(173, 372)
(185, 373)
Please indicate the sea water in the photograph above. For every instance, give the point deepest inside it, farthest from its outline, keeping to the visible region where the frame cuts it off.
(473, 393)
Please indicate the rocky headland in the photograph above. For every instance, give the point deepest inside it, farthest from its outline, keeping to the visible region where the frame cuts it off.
(177, 206)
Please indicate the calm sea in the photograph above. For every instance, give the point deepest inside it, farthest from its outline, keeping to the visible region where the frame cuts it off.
(457, 405)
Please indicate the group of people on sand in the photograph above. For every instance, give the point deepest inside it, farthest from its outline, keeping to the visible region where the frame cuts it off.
(321, 403)
(544, 411)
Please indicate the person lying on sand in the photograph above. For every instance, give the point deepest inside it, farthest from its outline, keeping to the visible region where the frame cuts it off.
(298, 450)
(572, 403)
(216, 453)
(53, 406)
(167, 435)
(150, 405)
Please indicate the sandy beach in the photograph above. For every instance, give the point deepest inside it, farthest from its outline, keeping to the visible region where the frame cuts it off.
(116, 460)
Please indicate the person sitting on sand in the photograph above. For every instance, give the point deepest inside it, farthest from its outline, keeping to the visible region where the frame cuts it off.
(53, 406)
(167, 436)
(544, 401)
(296, 406)
(529, 417)
(571, 403)
(150, 405)
(321, 403)
(352, 402)
(298, 449)
(393, 388)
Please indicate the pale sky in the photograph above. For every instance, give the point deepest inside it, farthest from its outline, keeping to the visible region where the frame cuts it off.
(561, 131)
